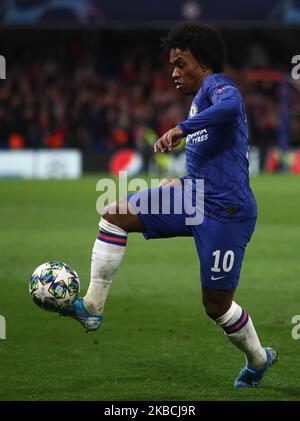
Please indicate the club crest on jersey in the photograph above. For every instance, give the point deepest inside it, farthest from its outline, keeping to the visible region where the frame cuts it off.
(193, 110)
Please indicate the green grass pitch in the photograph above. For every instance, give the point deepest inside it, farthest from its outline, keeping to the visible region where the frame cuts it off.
(156, 342)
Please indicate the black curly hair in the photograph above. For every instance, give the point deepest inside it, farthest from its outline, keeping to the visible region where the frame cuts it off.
(202, 40)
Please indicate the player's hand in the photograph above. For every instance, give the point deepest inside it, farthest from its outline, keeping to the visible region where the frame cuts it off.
(169, 140)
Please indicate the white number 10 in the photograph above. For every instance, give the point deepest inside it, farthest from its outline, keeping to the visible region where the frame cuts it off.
(228, 261)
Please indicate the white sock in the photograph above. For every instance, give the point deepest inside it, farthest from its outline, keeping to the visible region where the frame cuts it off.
(239, 329)
(108, 252)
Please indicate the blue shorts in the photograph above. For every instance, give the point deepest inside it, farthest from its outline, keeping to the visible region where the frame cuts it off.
(220, 245)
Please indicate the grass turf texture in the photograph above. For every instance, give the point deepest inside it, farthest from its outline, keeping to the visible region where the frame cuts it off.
(156, 342)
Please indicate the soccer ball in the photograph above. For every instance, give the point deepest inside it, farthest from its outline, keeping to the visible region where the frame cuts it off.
(53, 285)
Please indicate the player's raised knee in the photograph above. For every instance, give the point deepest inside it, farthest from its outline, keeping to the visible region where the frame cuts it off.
(112, 213)
(120, 214)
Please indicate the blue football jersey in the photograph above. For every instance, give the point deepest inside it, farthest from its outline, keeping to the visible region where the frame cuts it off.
(217, 146)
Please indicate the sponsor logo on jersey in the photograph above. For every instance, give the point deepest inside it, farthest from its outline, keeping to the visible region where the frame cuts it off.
(199, 136)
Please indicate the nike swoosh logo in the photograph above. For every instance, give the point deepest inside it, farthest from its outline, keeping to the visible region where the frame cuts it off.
(215, 278)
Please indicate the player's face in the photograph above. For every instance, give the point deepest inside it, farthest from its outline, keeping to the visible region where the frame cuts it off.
(188, 74)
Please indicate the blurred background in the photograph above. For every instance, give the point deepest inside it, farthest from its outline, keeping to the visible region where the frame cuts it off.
(88, 89)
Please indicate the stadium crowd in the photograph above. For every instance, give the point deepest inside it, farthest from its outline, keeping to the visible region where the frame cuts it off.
(65, 97)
